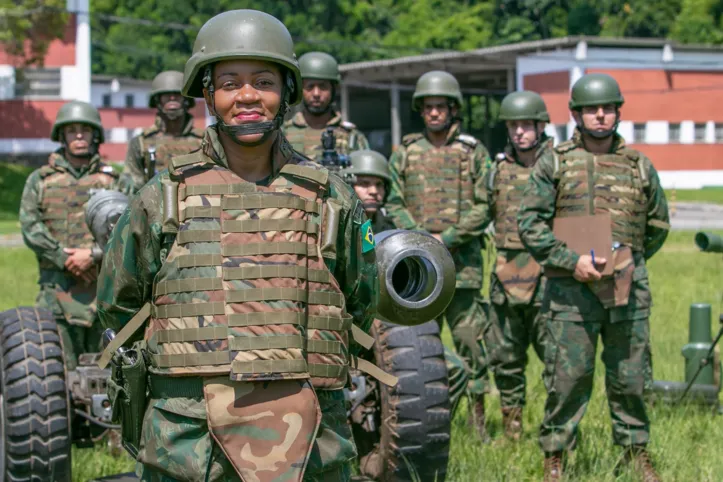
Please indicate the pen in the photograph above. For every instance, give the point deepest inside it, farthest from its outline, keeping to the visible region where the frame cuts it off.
(592, 254)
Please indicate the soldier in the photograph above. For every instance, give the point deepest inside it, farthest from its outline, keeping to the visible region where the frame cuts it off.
(516, 285)
(320, 74)
(437, 186)
(171, 134)
(52, 216)
(595, 173)
(369, 175)
(233, 250)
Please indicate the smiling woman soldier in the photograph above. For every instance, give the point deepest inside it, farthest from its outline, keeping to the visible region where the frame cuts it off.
(252, 260)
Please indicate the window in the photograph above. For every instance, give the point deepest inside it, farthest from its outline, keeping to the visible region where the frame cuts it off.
(129, 100)
(106, 100)
(718, 132)
(639, 133)
(673, 132)
(700, 132)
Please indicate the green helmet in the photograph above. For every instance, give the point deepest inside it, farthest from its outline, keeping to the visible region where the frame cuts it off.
(437, 83)
(319, 65)
(595, 89)
(241, 34)
(369, 163)
(166, 82)
(523, 105)
(77, 112)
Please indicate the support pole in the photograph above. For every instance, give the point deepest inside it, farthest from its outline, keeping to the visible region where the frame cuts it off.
(344, 91)
(396, 121)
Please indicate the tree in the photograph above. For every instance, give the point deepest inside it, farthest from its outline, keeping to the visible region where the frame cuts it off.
(699, 22)
(28, 26)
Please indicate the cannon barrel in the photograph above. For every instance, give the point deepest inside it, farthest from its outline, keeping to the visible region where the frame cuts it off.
(417, 277)
(102, 212)
(709, 242)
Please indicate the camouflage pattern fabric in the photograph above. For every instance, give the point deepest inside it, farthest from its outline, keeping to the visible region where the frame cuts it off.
(463, 159)
(575, 315)
(167, 146)
(52, 218)
(516, 283)
(307, 141)
(178, 444)
(458, 373)
(137, 253)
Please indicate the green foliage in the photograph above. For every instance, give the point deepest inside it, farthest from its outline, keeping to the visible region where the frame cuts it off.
(28, 26)
(699, 22)
(12, 182)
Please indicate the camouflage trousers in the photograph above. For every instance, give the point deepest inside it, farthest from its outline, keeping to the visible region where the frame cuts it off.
(467, 321)
(511, 331)
(569, 371)
(176, 444)
(75, 339)
(458, 373)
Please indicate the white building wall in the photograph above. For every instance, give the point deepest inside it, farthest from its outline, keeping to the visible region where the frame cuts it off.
(118, 99)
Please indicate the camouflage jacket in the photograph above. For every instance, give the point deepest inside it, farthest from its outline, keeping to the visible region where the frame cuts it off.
(567, 298)
(462, 238)
(137, 249)
(48, 248)
(307, 141)
(167, 146)
(516, 278)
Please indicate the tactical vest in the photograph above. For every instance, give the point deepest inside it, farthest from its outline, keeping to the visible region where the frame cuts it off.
(63, 204)
(595, 184)
(439, 184)
(244, 289)
(308, 141)
(509, 181)
(168, 147)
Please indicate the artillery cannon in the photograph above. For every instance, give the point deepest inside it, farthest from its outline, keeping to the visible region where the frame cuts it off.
(417, 280)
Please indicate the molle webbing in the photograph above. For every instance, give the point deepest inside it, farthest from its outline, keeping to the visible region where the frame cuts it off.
(245, 290)
(63, 206)
(595, 184)
(509, 185)
(439, 185)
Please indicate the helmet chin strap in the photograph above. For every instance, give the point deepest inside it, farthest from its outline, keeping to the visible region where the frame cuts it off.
(92, 149)
(327, 108)
(173, 114)
(266, 128)
(532, 146)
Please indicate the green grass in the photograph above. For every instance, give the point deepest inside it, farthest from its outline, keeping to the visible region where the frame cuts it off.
(685, 440)
(707, 194)
(12, 181)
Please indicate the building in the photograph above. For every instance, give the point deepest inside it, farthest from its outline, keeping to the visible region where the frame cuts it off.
(31, 97)
(672, 93)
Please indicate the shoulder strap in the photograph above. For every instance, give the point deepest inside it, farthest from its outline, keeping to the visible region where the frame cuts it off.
(178, 162)
(319, 175)
(411, 138)
(124, 335)
(468, 140)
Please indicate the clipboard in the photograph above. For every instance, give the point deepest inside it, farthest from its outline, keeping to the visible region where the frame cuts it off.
(582, 234)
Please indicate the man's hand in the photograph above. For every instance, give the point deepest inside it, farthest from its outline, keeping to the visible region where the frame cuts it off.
(438, 237)
(585, 271)
(79, 263)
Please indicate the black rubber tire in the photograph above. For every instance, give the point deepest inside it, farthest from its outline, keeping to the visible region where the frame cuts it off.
(35, 429)
(415, 414)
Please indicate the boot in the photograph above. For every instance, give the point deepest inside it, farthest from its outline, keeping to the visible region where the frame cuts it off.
(477, 417)
(553, 467)
(642, 464)
(512, 422)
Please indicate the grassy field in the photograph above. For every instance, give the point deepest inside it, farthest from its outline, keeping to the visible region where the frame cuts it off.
(707, 194)
(685, 440)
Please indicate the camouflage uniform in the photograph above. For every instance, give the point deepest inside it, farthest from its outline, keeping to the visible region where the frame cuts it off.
(167, 146)
(52, 216)
(516, 284)
(627, 186)
(307, 141)
(422, 198)
(177, 439)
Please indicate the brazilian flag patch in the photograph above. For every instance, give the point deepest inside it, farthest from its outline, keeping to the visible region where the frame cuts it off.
(367, 237)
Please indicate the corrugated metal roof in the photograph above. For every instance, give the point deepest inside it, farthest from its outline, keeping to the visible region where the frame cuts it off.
(522, 47)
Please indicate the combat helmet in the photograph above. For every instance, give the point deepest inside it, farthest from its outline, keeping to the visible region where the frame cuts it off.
(320, 66)
(595, 89)
(170, 81)
(523, 105)
(77, 112)
(437, 83)
(369, 163)
(243, 34)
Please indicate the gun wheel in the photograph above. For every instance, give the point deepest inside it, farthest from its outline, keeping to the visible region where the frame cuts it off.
(34, 410)
(411, 440)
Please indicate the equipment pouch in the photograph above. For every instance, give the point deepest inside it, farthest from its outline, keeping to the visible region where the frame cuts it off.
(128, 392)
(614, 291)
